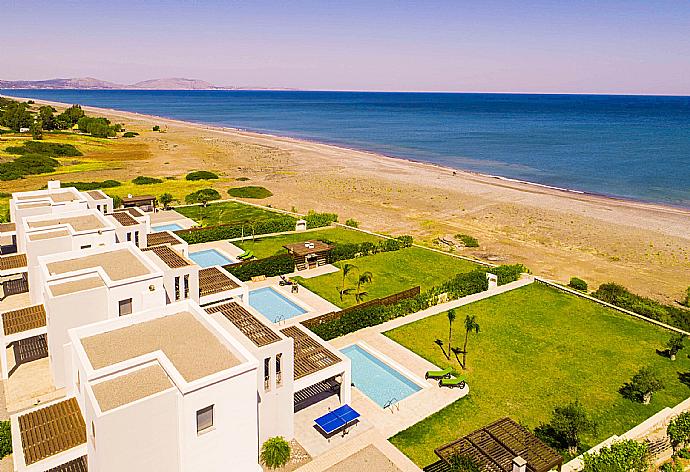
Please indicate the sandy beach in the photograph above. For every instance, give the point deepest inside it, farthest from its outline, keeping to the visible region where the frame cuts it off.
(557, 234)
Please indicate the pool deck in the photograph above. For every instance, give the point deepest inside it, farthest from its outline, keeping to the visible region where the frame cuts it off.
(168, 217)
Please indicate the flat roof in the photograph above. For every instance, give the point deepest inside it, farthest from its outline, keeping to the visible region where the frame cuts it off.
(51, 430)
(96, 195)
(302, 249)
(248, 324)
(87, 222)
(119, 264)
(310, 355)
(13, 261)
(125, 219)
(212, 280)
(138, 198)
(74, 286)
(130, 387)
(160, 238)
(194, 350)
(495, 446)
(169, 256)
(24, 319)
(57, 233)
(60, 196)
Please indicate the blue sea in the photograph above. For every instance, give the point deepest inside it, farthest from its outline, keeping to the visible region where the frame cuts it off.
(634, 147)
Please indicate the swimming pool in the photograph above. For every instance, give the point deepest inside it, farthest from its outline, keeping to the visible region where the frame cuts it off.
(210, 257)
(170, 227)
(274, 305)
(376, 379)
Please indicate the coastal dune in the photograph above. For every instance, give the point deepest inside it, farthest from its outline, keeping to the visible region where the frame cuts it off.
(556, 233)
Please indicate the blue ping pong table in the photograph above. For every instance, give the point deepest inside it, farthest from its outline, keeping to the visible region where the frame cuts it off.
(336, 419)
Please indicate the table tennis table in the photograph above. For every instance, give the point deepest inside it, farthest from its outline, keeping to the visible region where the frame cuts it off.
(337, 419)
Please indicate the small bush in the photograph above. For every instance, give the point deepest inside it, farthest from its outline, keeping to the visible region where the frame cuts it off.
(319, 220)
(203, 196)
(201, 175)
(352, 223)
(623, 456)
(117, 201)
(467, 240)
(250, 192)
(242, 179)
(269, 266)
(141, 180)
(130, 134)
(95, 185)
(508, 273)
(156, 128)
(5, 439)
(275, 452)
(217, 233)
(27, 164)
(578, 284)
(678, 430)
(45, 148)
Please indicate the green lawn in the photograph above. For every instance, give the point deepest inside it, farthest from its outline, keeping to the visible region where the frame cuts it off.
(392, 272)
(225, 213)
(270, 246)
(539, 348)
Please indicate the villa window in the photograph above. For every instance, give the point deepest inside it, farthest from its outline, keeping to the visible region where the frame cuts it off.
(279, 376)
(267, 374)
(129, 236)
(186, 285)
(136, 238)
(93, 433)
(177, 288)
(125, 307)
(86, 246)
(204, 419)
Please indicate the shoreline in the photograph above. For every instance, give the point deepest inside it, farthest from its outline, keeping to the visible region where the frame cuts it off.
(489, 178)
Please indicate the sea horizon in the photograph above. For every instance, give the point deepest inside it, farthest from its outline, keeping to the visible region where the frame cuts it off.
(630, 147)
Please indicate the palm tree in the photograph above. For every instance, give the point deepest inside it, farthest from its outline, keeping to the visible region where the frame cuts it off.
(347, 268)
(470, 325)
(363, 278)
(451, 318)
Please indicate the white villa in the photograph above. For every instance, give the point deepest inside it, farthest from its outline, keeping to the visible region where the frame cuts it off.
(164, 364)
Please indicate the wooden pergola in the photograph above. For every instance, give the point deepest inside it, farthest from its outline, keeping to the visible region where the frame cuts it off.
(145, 202)
(495, 446)
(248, 324)
(310, 356)
(309, 254)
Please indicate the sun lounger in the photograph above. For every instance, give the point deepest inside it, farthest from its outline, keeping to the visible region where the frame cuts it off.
(439, 374)
(246, 255)
(259, 278)
(453, 382)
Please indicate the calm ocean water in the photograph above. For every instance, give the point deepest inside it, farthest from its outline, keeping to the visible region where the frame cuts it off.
(635, 147)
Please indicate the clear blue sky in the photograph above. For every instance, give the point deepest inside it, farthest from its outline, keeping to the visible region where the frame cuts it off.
(602, 46)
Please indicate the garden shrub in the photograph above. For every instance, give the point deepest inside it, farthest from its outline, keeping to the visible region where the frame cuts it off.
(95, 185)
(27, 164)
(204, 196)
(45, 148)
(130, 134)
(269, 266)
(142, 180)
(507, 273)
(678, 430)
(346, 251)
(250, 191)
(201, 175)
(242, 179)
(318, 220)
(467, 240)
(231, 231)
(5, 439)
(623, 456)
(621, 297)
(275, 452)
(156, 128)
(352, 223)
(578, 284)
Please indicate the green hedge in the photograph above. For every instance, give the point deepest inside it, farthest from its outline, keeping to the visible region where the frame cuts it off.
(341, 252)
(5, 439)
(92, 185)
(45, 148)
(269, 266)
(201, 175)
(250, 191)
(621, 297)
(318, 220)
(217, 233)
(143, 180)
(459, 286)
(27, 164)
(578, 284)
(507, 273)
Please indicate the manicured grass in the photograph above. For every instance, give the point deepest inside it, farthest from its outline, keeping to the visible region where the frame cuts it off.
(392, 272)
(250, 191)
(539, 348)
(270, 246)
(225, 212)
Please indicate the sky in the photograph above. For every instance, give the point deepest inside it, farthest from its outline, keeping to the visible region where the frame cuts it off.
(574, 46)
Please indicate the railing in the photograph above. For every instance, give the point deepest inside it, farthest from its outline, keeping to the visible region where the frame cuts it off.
(392, 403)
(279, 319)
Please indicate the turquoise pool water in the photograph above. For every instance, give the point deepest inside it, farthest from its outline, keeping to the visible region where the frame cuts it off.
(170, 227)
(376, 379)
(273, 305)
(209, 257)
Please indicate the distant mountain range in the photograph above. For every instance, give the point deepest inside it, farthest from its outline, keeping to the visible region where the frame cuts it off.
(89, 83)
